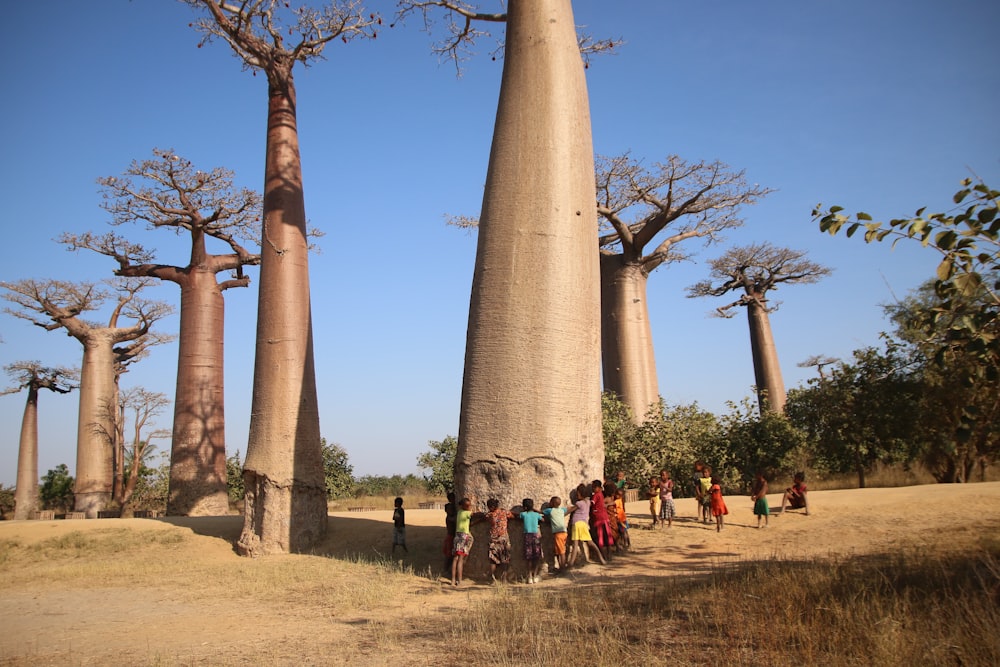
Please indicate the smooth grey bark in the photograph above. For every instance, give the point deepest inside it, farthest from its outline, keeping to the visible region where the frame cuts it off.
(628, 359)
(530, 423)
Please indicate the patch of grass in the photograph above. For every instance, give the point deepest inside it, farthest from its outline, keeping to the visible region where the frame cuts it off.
(888, 609)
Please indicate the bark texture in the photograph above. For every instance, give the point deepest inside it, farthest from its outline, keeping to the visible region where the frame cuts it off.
(198, 450)
(283, 473)
(626, 336)
(26, 493)
(766, 370)
(530, 422)
(96, 425)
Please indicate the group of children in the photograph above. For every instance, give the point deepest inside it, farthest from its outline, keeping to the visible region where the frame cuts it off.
(708, 493)
(599, 507)
(592, 523)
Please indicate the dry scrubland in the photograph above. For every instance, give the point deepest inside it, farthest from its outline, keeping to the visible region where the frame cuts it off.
(901, 576)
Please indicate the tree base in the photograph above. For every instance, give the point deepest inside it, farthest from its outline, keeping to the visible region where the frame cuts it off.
(281, 518)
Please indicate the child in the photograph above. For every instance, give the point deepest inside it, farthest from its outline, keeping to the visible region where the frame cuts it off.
(795, 495)
(398, 527)
(600, 520)
(532, 539)
(462, 545)
(718, 504)
(450, 511)
(758, 494)
(704, 499)
(555, 514)
(625, 541)
(580, 523)
(612, 512)
(654, 499)
(667, 509)
(499, 539)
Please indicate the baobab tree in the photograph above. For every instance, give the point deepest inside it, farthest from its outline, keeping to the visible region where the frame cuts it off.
(55, 304)
(167, 192)
(33, 376)
(690, 200)
(283, 472)
(755, 270)
(530, 422)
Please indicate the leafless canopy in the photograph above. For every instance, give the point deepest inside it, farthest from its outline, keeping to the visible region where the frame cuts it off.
(460, 24)
(695, 199)
(32, 374)
(756, 270)
(168, 192)
(257, 30)
(52, 304)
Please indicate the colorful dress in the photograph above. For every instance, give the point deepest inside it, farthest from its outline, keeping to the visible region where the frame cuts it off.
(580, 521)
(532, 535)
(718, 504)
(499, 540)
(601, 521)
(462, 544)
(667, 509)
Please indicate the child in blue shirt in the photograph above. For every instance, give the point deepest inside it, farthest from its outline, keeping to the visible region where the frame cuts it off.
(532, 539)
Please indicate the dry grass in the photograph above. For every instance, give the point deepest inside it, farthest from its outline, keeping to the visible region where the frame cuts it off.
(888, 609)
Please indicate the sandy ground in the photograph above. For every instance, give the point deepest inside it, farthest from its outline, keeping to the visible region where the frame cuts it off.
(83, 625)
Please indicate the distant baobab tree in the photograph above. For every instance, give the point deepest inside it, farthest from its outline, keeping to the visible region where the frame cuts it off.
(56, 304)
(285, 499)
(32, 375)
(756, 270)
(168, 193)
(635, 204)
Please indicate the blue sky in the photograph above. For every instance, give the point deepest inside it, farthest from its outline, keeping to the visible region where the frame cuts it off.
(878, 106)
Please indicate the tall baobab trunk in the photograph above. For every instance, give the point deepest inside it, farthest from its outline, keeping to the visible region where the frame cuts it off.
(198, 449)
(626, 337)
(95, 429)
(530, 423)
(283, 472)
(766, 370)
(26, 493)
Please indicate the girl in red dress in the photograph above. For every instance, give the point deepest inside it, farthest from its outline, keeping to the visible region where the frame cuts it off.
(717, 503)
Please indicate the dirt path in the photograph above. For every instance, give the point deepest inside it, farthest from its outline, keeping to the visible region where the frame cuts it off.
(326, 618)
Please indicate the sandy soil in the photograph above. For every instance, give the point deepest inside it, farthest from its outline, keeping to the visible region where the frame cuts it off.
(41, 624)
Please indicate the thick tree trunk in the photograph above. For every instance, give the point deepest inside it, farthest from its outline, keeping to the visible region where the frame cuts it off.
(530, 423)
(26, 493)
(198, 450)
(95, 428)
(766, 370)
(626, 337)
(283, 474)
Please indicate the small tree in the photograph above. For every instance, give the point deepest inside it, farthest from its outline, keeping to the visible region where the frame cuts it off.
(966, 316)
(338, 472)
(440, 461)
(234, 478)
(756, 270)
(56, 491)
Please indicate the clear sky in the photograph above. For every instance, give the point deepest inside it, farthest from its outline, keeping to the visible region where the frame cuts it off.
(877, 106)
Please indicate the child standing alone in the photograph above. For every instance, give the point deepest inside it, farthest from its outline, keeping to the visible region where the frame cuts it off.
(399, 526)
(758, 494)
